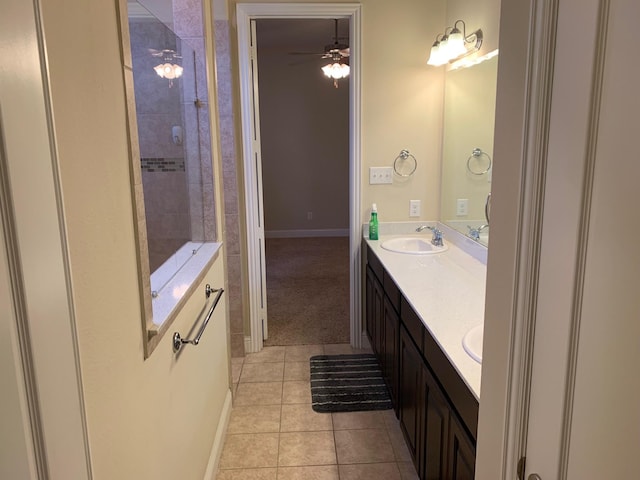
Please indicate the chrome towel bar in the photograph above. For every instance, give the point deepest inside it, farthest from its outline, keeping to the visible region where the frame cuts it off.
(178, 341)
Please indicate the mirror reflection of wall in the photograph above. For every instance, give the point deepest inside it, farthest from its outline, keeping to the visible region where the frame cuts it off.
(469, 117)
(170, 126)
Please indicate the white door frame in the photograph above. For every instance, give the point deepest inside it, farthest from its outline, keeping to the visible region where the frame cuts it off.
(254, 218)
(523, 105)
(33, 229)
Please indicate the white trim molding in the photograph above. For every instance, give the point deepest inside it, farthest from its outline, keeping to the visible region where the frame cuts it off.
(246, 12)
(218, 442)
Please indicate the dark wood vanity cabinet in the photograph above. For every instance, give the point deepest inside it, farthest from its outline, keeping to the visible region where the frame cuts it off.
(437, 412)
(374, 306)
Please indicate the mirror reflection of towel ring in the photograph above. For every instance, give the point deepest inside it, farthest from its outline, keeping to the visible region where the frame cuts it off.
(404, 155)
(477, 154)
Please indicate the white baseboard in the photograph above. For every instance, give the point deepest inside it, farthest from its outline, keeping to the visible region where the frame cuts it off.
(247, 344)
(332, 232)
(218, 442)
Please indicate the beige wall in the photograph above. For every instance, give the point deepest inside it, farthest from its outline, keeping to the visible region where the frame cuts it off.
(304, 131)
(153, 419)
(401, 102)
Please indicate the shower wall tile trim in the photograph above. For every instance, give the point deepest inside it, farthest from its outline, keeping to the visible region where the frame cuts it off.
(162, 164)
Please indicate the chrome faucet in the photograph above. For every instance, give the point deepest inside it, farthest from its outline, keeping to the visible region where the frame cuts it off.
(436, 240)
(475, 232)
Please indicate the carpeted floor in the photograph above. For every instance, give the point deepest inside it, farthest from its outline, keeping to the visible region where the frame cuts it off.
(307, 290)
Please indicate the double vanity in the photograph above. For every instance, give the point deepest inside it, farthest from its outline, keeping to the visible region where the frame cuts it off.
(424, 308)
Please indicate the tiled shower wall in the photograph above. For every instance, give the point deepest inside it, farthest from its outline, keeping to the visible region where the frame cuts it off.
(188, 25)
(229, 175)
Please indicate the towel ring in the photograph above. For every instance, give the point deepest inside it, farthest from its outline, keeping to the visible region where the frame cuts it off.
(477, 153)
(404, 155)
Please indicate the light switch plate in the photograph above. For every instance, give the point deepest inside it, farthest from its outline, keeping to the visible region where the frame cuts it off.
(380, 175)
(462, 207)
(414, 208)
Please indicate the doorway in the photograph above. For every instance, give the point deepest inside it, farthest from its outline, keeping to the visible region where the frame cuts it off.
(247, 15)
(304, 130)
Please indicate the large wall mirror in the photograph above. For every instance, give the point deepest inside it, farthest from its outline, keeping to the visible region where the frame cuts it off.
(467, 153)
(171, 153)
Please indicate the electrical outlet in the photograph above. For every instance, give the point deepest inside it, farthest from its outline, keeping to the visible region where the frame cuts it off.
(309, 215)
(414, 208)
(462, 207)
(380, 175)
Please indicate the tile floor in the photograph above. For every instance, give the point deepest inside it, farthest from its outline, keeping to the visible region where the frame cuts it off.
(274, 434)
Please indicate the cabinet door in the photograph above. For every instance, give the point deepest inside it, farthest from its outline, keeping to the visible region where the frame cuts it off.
(436, 411)
(462, 453)
(391, 327)
(409, 393)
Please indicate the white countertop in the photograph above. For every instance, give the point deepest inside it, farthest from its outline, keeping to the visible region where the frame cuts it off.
(446, 290)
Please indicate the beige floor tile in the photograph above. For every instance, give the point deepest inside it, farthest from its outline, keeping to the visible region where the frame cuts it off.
(236, 370)
(363, 446)
(370, 471)
(250, 451)
(400, 450)
(262, 372)
(390, 418)
(296, 392)
(259, 393)
(324, 472)
(237, 360)
(255, 419)
(358, 420)
(302, 418)
(302, 353)
(299, 371)
(407, 471)
(248, 474)
(266, 355)
(306, 448)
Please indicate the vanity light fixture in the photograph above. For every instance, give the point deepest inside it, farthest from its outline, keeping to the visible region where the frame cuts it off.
(454, 45)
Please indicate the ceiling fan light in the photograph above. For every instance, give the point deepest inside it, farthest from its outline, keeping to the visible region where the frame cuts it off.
(327, 70)
(159, 70)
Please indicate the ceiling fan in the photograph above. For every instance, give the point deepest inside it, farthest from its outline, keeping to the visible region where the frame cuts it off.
(334, 51)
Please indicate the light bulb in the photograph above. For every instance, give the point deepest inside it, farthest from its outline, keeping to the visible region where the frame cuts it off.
(435, 57)
(455, 43)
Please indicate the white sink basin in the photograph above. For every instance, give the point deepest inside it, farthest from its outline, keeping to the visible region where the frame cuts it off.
(472, 342)
(412, 246)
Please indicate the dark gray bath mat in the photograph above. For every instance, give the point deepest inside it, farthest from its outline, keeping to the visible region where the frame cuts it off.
(347, 383)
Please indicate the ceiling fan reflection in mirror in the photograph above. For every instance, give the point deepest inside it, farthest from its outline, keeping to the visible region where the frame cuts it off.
(169, 68)
(338, 53)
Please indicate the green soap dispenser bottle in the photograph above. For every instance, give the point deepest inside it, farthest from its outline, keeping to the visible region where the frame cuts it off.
(373, 223)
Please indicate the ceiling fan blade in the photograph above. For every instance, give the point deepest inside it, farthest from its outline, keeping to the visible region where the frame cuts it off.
(304, 53)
